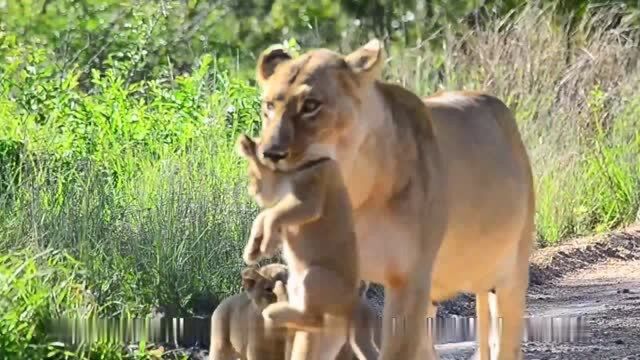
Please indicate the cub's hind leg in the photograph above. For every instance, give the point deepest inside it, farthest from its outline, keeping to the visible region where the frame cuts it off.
(322, 292)
(222, 352)
(282, 314)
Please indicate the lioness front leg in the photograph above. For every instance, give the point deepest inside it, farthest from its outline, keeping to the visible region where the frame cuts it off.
(404, 334)
(316, 345)
(429, 343)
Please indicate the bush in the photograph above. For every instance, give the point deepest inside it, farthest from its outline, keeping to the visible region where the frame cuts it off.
(33, 289)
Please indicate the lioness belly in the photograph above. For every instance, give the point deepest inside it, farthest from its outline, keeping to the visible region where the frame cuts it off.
(463, 265)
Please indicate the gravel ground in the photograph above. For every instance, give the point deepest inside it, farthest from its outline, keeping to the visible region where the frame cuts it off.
(596, 278)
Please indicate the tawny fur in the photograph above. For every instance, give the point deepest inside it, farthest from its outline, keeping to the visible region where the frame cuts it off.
(309, 211)
(366, 327)
(237, 326)
(441, 187)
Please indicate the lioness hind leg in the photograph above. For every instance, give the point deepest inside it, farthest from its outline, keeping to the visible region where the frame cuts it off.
(511, 298)
(483, 327)
(511, 307)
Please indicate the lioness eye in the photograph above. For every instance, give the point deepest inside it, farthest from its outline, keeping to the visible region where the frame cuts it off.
(268, 289)
(269, 105)
(310, 105)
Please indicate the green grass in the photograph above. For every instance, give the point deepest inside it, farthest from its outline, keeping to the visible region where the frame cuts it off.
(122, 178)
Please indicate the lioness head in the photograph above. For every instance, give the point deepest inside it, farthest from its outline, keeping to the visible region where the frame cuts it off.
(309, 101)
(259, 283)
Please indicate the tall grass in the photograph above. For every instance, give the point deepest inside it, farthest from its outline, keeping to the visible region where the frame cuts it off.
(575, 96)
(136, 176)
(138, 180)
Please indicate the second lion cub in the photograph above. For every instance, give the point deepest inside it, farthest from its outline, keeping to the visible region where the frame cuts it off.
(308, 210)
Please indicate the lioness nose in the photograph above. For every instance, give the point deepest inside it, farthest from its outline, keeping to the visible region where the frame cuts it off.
(274, 155)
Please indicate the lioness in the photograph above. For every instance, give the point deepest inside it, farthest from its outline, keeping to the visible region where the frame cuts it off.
(308, 209)
(441, 187)
(237, 325)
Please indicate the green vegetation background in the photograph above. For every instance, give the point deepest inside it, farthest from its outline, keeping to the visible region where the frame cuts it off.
(119, 189)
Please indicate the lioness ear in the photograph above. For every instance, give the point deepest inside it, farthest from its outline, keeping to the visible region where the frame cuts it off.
(250, 276)
(246, 146)
(367, 61)
(270, 58)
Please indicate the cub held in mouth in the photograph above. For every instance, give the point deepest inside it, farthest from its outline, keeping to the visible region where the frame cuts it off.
(307, 209)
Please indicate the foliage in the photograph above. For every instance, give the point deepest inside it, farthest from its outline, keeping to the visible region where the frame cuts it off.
(34, 288)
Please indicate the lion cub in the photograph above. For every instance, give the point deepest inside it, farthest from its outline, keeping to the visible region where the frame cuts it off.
(237, 325)
(366, 329)
(309, 211)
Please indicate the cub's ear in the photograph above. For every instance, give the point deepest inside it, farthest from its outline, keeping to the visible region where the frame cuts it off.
(282, 275)
(366, 62)
(246, 146)
(269, 59)
(280, 290)
(250, 276)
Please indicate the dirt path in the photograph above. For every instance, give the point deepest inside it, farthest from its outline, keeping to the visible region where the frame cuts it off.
(596, 278)
(603, 287)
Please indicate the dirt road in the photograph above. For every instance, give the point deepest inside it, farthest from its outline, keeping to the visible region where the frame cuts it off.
(597, 279)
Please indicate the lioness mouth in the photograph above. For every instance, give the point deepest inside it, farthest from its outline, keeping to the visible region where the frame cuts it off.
(311, 163)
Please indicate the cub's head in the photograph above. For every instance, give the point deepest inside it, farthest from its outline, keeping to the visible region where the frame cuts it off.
(309, 103)
(263, 183)
(259, 283)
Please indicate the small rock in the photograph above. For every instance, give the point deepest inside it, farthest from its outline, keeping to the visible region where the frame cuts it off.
(624, 291)
(619, 342)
